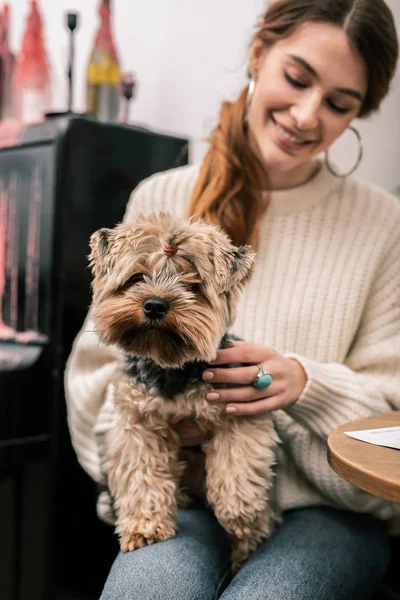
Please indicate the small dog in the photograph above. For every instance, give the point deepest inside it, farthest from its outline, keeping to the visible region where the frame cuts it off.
(165, 292)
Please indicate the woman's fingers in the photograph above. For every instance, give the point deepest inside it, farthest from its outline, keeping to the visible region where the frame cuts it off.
(242, 394)
(234, 375)
(255, 408)
(243, 352)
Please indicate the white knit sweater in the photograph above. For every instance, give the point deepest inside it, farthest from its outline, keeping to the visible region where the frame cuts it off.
(326, 290)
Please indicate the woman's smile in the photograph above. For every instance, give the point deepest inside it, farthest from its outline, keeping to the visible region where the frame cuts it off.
(287, 139)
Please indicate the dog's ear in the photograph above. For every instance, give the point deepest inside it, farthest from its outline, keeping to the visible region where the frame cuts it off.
(100, 242)
(237, 266)
(241, 266)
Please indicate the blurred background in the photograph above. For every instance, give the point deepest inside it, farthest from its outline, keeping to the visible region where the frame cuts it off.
(95, 96)
(188, 57)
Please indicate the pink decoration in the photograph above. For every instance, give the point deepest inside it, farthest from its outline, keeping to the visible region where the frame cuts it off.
(32, 72)
(104, 38)
(170, 250)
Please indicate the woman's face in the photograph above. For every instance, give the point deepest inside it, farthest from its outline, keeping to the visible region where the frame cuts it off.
(309, 86)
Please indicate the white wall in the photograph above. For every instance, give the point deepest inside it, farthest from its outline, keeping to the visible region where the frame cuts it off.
(188, 56)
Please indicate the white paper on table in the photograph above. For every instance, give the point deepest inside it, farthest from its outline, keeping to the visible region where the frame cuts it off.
(384, 436)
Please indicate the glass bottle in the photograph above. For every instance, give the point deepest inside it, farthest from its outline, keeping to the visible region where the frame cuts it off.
(103, 72)
(7, 66)
(32, 81)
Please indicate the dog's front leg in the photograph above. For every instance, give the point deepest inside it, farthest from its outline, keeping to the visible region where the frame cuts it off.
(143, 471)
(239, 461)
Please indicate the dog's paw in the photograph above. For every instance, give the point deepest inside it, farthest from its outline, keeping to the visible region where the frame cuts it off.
(131, 541)
(237, 527)
(259, 526)
(242, 546)
(145, 534)
(245, 537)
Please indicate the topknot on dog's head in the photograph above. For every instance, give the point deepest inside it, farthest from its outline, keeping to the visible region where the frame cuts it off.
(167, 239)
(209, 249)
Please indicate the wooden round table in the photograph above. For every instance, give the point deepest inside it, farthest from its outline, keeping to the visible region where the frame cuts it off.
(374, 469)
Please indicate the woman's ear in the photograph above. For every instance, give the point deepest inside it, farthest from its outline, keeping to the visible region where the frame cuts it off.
(256, 56)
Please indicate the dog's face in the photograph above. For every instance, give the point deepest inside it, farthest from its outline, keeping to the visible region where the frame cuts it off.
(165, 288)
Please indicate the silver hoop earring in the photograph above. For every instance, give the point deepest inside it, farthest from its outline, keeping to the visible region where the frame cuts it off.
(359, 157)
(250, 91)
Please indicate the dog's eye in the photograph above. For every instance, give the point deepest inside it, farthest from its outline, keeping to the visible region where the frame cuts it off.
(194, 288)
(133, 280)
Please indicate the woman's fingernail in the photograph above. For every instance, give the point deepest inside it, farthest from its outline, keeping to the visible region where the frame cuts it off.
(208, 376)
(230, 409)
(212, 396)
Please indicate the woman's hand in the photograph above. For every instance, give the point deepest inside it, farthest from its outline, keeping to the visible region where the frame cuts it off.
(288, 379)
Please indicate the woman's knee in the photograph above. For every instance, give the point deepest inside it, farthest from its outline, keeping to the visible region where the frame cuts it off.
(163, 583)
(318, 553)
(169, 570)
(185, 567)
(167, 577)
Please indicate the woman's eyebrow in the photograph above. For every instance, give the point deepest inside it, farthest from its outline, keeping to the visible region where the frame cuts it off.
(303, 63)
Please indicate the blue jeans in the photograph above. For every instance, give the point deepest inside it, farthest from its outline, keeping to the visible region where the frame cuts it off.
(318, 553)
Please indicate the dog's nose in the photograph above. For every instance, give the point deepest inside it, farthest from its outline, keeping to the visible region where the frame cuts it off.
(155, 308)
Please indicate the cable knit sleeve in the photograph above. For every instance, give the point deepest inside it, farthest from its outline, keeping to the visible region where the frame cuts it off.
(89, 370)
(369, 380)
(367, 383)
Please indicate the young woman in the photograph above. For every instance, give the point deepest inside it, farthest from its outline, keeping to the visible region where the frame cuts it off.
(321, 313)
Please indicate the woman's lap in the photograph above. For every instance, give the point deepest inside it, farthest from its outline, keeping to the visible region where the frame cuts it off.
(189, 566)
(317, 553)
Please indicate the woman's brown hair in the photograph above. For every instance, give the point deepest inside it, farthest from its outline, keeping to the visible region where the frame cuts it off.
(227, 192)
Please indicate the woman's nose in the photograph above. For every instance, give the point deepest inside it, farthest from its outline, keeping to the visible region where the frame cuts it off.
(305, 113)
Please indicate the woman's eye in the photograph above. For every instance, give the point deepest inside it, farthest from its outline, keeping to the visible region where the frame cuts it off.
(339, 109)
(300, 85)
(295, 82)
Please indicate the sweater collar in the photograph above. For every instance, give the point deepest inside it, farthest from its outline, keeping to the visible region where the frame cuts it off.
(303, 197)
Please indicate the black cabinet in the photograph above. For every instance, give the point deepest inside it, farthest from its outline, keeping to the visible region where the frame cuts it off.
(60, 181)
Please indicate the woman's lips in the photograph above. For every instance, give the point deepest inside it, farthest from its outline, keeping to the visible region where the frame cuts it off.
(288, 139)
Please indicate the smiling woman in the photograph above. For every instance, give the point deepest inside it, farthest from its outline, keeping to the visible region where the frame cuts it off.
(309, 87)
(319, 319)
(316, 65)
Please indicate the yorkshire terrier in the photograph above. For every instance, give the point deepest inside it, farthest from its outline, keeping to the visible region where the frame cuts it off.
(165, 292)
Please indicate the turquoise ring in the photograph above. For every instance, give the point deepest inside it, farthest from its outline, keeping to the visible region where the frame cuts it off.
(263, 379)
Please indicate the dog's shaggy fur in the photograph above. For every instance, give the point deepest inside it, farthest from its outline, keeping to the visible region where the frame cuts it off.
(165, 292)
